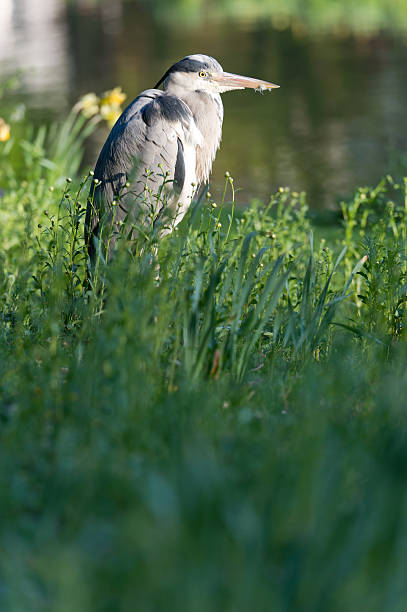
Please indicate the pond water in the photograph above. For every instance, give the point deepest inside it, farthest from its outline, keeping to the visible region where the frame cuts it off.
(339, 119)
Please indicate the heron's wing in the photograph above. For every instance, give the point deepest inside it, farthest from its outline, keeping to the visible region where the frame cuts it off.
(146, 149)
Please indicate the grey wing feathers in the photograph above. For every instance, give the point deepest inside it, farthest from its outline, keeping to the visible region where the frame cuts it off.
(150, 131)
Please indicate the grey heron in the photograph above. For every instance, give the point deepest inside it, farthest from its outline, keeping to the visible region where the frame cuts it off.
(161, 149)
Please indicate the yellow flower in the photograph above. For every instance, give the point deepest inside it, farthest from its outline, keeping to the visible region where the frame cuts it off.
(108, 105)
(110, 113)
(88, 105)
(113, 97)
(4, 131)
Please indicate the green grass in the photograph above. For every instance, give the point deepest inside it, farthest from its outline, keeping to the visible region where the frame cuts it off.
(232, 437)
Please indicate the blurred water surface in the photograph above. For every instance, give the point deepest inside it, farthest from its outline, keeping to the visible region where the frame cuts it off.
(338, 120)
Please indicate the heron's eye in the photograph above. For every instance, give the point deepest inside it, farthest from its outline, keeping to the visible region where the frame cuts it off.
(203, 73)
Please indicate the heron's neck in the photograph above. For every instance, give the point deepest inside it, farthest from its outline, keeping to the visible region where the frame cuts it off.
(207, 110)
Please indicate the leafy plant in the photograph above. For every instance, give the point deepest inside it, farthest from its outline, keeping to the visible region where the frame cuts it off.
(212, 420)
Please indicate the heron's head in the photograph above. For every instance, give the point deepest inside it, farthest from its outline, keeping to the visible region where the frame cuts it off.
(204, 73)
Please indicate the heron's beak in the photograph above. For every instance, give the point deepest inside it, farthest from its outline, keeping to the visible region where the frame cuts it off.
(236, 81)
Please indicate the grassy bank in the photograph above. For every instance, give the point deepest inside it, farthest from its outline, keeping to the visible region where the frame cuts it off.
(365, 17)
(230, 437)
